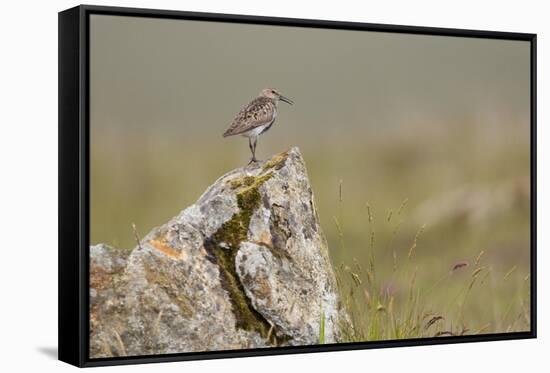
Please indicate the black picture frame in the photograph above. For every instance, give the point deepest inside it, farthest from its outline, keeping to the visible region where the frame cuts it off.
(74, 161)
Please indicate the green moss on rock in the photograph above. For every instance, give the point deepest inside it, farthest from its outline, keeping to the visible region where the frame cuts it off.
(276, 162)
(242, 181)
(224, 245)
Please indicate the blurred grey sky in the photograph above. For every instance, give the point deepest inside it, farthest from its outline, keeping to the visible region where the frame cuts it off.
(194, 76)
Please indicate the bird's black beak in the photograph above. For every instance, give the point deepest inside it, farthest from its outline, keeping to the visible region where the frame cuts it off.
(287, 100)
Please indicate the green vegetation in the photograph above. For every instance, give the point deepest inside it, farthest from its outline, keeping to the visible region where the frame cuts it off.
(388, 304)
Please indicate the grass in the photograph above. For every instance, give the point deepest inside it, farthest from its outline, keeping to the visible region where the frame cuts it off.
(393, 303)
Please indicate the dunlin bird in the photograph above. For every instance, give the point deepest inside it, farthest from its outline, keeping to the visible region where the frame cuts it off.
(256, 118)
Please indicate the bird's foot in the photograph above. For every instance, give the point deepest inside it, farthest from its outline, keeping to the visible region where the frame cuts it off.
(253, 160)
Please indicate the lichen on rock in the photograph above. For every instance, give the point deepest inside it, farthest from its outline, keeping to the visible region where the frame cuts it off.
(224, 245)
(246, 266)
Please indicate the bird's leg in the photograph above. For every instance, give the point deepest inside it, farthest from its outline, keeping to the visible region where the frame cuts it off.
(254, 151)
(252, 146)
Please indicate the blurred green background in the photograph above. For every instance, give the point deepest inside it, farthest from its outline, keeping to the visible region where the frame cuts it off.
(428, 130)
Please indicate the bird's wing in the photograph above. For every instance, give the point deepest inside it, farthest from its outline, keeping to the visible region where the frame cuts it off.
(257, 113)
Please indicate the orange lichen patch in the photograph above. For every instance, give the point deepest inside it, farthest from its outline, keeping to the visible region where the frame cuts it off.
(99, 278)
(263, 289)
(264, 239)
(263, 242)
(162, 246)
(277, 252)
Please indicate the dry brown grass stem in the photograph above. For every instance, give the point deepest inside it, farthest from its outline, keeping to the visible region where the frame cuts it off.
(120, 343)
(479, 256)
(403, 204)
(369, 212)
(510, 272)
(433, 320)
(415, 241)
(136, 235)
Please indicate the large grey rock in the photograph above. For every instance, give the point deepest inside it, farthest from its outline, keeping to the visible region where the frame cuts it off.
(246, 266)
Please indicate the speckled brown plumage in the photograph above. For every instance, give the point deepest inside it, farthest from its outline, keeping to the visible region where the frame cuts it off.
(259, 112)
(256, 118)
